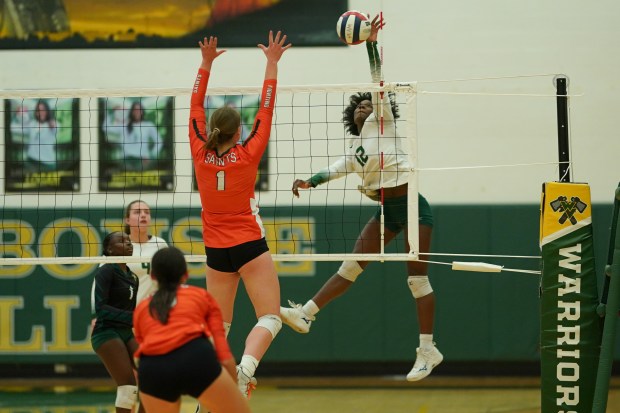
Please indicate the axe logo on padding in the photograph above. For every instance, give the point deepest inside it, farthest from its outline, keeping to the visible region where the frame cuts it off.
(568, 208)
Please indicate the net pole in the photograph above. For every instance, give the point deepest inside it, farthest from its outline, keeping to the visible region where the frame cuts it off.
(570, 329)
(601, 388)
(610, 257)
(382, 200)
(561, 84)
(382, 96)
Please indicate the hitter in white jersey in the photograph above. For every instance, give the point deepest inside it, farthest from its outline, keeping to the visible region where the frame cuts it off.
(362, 119)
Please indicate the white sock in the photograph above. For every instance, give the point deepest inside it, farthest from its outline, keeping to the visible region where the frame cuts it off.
(310, 308)
(249, 364)
(426, 341)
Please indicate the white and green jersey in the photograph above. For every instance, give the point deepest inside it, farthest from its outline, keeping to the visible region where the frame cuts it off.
(363, 153)
(143, 269)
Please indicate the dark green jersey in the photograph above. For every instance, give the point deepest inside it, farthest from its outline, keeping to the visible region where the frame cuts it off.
(114, 296)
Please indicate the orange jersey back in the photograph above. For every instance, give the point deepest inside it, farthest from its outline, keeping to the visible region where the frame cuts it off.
(226, 181)
(195, 314)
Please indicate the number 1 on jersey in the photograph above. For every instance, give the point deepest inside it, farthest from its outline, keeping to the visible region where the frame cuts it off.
(220, 180)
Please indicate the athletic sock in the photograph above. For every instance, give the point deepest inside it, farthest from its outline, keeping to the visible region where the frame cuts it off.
(249, 364)
(426, 341)
(310, 308)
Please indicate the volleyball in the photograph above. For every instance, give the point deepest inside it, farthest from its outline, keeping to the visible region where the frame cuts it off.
(353, 27)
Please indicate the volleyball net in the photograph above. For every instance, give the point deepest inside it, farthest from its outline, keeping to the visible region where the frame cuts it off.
(73, 159)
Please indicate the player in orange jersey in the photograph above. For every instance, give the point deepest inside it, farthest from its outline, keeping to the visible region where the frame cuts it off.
(183, 346)
(233, 233)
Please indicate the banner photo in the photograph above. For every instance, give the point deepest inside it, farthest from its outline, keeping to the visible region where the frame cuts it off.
(247, 105)
(45, 24)
(136, 144)
(42, 145)
(570, 326)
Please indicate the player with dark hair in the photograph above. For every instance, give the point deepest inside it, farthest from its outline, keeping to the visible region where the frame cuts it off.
(138, 226)
(183, 346)
(114, 300)
(233, 233)
(369, 149)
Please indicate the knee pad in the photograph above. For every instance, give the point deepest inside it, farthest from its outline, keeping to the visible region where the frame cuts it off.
(350, 270)
(271, 322)
(419, 285)
(226, 328)
(126, 396)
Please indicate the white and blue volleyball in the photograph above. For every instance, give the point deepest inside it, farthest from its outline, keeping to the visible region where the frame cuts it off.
(353, 27)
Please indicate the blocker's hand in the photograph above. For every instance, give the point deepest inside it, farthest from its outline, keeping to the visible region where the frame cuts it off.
(276, 47)
(208, 49)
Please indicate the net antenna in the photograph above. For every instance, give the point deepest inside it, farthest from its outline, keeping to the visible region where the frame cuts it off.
(561, 84)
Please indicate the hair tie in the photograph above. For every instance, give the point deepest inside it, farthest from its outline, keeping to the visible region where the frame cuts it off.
(216, 130)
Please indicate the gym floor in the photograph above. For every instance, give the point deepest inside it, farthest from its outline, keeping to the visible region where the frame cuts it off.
(310, 395)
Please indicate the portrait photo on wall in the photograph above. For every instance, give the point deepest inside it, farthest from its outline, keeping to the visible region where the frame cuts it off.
(247, 105)
(136, 143)
(42, 145)
(45, 24)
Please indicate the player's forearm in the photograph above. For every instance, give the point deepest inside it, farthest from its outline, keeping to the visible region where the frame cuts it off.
(336, 170)
(271, 70)
(206, 65)
(200, 88)
(231, 367)
(116, 315)
(375, 61)
(324, 176)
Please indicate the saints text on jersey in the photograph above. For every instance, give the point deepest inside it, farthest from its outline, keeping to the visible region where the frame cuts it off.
(220, 161)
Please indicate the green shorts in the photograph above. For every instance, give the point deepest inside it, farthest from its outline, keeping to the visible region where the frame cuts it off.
(104, 334)
(395, 213)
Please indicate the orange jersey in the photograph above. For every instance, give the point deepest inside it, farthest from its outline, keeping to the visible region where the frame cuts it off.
(195, 314)
(226, 181)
